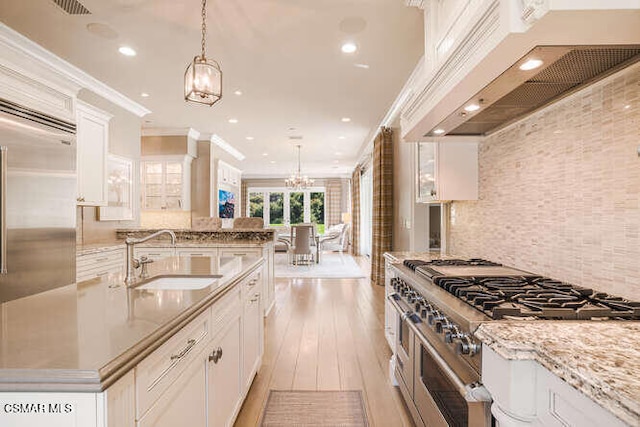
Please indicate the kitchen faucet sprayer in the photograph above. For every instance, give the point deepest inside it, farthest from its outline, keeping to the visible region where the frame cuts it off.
(133, 263)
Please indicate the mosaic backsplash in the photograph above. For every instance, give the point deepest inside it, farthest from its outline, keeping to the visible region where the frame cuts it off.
(560, 191)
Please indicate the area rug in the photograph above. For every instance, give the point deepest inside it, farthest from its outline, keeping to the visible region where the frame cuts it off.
(332, 265)
(314, 408)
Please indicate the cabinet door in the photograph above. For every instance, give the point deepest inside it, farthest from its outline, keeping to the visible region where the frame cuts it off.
(93, 143)
(224, 375)
(184, 403)
(426, 187)
(251, 338)
(165, 184)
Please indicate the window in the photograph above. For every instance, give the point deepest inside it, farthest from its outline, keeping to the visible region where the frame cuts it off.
(288, 207)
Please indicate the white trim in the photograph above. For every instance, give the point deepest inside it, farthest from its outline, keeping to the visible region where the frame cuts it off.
(33, 50)
(221, 143)
(188, 132)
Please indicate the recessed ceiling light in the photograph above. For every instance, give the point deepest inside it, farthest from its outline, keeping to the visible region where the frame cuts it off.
(336, 161)
(346, 119)
(233, 120)
(341, 137)
(472, 107)
(272, 161)
(531, 64)
(127, 51)
(144, 95)
(238, 92)
(338, 153)
(349, 47)
(363, 66)
(250, 138)
(438, 131)
(626, 107)
(265, 154)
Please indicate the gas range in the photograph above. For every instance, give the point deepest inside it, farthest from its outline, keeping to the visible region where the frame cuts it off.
(437, 307)
(507, 293)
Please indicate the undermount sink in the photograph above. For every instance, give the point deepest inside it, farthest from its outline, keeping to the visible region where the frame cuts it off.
(179, 283)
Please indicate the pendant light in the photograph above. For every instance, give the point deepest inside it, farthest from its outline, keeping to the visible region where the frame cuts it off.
(203, 77)
(296, 181)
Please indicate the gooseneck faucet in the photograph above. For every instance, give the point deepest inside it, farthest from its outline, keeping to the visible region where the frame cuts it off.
(133, 263)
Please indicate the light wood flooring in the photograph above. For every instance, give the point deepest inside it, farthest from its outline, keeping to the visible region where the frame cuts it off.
(327, 334)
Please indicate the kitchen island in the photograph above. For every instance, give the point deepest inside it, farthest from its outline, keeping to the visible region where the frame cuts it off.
(78, 347)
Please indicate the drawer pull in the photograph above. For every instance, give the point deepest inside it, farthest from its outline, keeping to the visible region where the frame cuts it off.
(239, 254)
(216, 355)
(101, 259)
(252, 283)
(255, 298)
(194, 254)
(185, 350)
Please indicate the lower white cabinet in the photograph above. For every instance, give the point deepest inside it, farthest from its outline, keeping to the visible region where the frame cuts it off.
(252, 336)
(96, 264)
(224, 374)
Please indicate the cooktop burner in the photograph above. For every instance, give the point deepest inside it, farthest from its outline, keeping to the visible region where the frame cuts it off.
(536, 296)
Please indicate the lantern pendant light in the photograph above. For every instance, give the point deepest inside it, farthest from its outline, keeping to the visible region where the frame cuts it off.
(203, 77)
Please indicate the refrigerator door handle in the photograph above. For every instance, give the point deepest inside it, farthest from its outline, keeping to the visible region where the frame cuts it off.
(3, 210)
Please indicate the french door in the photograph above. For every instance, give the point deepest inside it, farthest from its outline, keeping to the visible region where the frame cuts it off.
(283, 207)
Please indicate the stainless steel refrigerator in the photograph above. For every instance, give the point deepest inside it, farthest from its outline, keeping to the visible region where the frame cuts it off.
(37, 202)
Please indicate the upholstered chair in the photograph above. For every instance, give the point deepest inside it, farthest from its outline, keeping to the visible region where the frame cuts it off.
(248, 223)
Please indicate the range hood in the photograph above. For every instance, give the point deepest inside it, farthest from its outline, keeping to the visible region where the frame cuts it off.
(516, 92)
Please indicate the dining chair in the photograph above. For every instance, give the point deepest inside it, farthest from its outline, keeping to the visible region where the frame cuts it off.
(248, 223)
(300, 251)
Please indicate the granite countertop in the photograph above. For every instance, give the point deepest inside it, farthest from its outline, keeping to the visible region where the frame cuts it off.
(83, 337)
(601, 359)
(223, 235)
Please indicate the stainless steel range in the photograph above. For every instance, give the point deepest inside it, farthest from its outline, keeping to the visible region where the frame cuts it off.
(440, 303)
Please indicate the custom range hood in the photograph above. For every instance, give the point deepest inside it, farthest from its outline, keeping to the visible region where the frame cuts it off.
(542, 76)
(471, 82)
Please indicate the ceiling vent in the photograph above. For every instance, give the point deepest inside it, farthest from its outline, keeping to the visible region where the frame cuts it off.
(516, 93)
(72, 7)
(295, 137)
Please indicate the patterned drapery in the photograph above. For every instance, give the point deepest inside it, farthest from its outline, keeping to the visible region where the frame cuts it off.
(244, 199)
(333, 197)
(355, 210)
(382, 215)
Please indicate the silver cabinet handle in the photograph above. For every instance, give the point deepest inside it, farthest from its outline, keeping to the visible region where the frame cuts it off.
(185, 350)
(3, 210)
(433, 193)
(216, 355)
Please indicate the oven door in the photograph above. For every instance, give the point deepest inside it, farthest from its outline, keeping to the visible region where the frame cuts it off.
(404, 350)
(441, 397)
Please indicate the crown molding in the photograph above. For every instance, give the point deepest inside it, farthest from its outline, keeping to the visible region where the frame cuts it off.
(224, 145)
(188, 132)
(33, 51)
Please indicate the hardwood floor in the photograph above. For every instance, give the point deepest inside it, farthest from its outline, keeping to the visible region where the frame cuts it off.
(327, 334)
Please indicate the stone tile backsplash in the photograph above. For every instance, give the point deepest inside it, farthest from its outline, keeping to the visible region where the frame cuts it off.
(560, 191)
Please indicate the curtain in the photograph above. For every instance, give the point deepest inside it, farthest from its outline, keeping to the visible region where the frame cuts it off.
(355, 210)
(244, 199)
(333, 198)
(382, 215)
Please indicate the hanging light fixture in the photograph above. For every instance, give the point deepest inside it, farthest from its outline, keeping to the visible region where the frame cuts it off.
(203, 78)
(296, 181)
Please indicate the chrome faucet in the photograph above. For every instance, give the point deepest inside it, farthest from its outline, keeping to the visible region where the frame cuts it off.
(133, 263)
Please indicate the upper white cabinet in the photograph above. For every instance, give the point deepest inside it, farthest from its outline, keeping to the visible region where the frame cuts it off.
(447, 171)
(93, 145)
(166, 183)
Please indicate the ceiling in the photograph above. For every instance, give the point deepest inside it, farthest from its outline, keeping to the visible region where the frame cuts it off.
(283, 55)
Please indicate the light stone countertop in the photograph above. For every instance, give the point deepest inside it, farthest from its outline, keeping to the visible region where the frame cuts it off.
(223, 235)
(399, 256)
(84, 336)
(601, 359)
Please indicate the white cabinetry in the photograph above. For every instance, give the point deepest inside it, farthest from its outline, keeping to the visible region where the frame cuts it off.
(166, 183)
(447, 171)
(97, 264)
(526, 394)
(390, 316)
(93, 145)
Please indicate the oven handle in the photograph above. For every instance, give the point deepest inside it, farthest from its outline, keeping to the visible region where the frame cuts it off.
(460, 386)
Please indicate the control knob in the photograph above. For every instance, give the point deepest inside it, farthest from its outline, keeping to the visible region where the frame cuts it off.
(452, 334)
(443, 324)
(435, 316)
(467, 346)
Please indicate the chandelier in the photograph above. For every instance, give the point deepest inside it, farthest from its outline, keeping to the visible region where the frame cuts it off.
(203, 77)
(296, 181)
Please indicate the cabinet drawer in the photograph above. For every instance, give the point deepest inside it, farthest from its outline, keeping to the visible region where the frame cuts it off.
(156, 373)
(224, 309)
(87, 262)
(196, 252)
(154, 253)
(240, 251)
(252, 285)
(99, 271)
